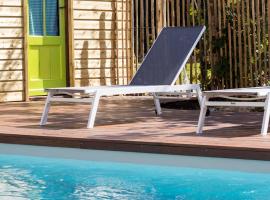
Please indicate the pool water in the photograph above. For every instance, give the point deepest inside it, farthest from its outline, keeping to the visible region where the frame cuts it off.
(30, 177)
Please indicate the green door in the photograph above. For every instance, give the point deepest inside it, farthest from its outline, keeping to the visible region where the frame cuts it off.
(46, 45)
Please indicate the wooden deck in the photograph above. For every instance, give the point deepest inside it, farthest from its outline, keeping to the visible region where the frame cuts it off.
(130, 124)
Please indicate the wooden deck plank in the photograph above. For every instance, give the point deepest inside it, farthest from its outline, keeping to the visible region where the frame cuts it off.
(130, 124)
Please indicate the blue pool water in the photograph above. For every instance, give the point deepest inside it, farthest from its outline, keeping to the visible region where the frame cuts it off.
(30, 177)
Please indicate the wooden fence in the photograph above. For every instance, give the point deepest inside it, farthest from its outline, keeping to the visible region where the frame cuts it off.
(235, 49)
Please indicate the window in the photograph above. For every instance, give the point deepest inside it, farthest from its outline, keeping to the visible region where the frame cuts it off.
(43, 17)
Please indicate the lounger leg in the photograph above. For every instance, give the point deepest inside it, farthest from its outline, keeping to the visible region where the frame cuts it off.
(46, 110)
(202, 115)
(93, 112)
(266, 116)
(157, 104)
(199, 95)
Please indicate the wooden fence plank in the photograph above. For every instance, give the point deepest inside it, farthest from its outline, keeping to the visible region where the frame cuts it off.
(251, 82)
(268, 13)
(258, 36)
(147, 24)
(253, 14)
(264, 19)
(239, 39)
(244, 27)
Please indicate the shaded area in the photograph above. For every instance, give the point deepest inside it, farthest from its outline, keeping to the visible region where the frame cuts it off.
(84, 65)
(182, 105)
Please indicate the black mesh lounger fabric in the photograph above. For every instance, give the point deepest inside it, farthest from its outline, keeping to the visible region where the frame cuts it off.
(167, 56)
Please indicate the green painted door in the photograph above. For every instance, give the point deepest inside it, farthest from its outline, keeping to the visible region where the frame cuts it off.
(46, 45)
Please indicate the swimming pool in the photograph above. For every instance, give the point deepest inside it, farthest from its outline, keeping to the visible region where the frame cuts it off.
(29, 172)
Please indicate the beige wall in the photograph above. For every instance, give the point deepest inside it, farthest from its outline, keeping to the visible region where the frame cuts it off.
(11, 50)
(102, 45)
(101, 42)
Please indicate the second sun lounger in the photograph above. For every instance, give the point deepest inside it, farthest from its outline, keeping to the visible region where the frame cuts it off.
(157, 73)
(241, 97)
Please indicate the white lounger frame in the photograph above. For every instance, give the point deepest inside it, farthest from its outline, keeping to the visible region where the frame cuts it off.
(255, 94)
(97, 92)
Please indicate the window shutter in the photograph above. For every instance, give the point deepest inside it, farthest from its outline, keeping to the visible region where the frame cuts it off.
(36, 17)
(52, 17)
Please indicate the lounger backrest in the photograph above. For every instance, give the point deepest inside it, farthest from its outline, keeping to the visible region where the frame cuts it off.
(168, 56)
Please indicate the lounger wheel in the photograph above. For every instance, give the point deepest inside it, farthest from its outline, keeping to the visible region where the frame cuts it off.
(208, 112)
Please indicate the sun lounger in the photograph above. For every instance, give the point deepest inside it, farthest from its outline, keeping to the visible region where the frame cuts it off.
(158, 73)
(241, 97)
